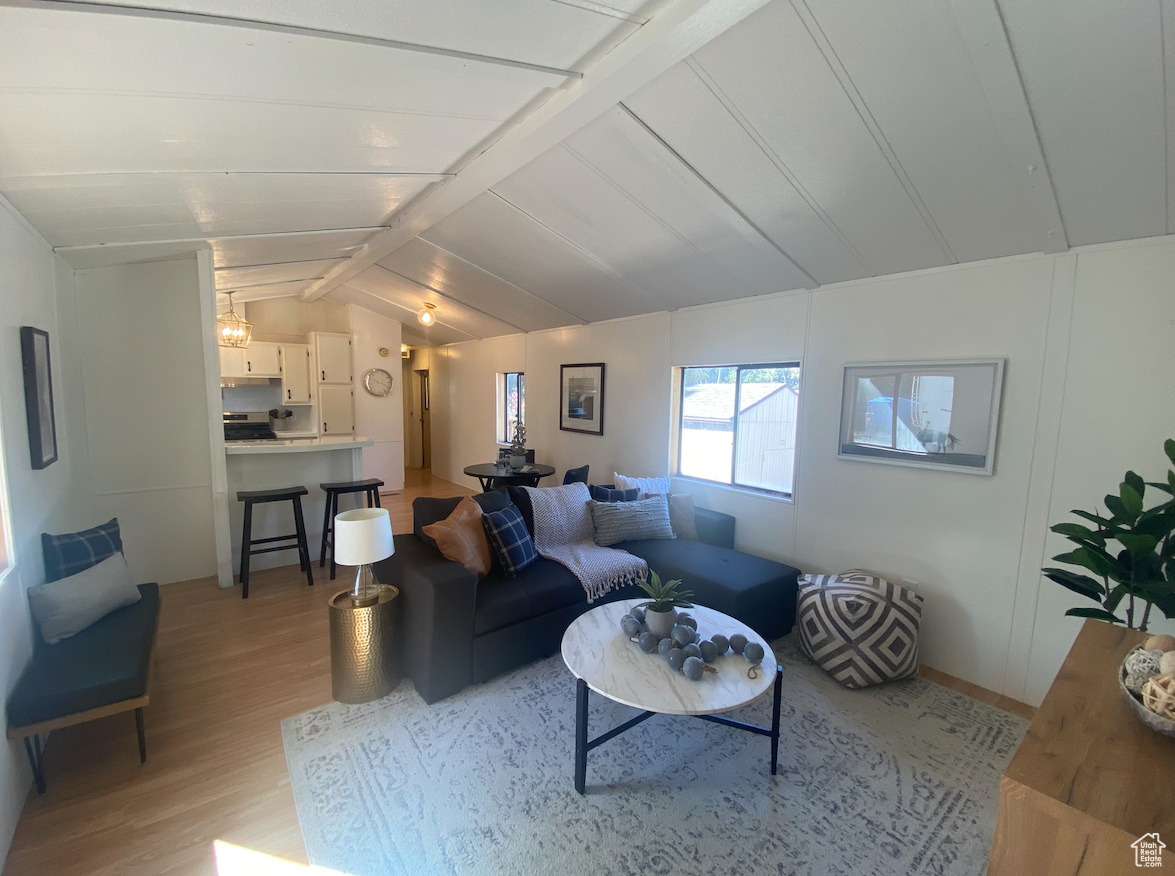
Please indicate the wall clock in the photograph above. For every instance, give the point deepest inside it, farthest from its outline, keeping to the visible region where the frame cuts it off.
(377, 382)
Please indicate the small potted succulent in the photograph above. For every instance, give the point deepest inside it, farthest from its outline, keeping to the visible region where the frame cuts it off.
(518, 447)
(661, 611)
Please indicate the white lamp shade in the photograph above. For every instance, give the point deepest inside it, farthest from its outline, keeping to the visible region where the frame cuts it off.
(363, 536)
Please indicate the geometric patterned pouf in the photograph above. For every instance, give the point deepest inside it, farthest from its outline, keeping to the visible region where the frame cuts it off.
(859, 628)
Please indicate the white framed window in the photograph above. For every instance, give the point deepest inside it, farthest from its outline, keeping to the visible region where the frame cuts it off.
(736, 425)
(511, 403)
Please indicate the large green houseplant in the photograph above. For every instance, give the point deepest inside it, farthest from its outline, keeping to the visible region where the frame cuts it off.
(1130, 552)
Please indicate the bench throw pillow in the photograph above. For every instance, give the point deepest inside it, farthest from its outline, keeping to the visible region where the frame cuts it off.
(624, 521)
(461, 537)
(73, 552)
(510, 539)
(859, 628)
(65, 607)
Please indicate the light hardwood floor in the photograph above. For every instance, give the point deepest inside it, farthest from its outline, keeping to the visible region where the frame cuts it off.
(229, 670)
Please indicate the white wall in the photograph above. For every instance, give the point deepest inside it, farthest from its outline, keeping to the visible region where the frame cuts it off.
(45, 500)
(1087, 339)
(380, 419)
(146, 414)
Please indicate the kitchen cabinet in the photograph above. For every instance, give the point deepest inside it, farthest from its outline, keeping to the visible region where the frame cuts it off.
(263, 359)
(296, 383)
(232, 361)
(336, 410)
(332, 353)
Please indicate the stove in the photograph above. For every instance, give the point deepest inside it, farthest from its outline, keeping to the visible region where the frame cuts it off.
(248, 426)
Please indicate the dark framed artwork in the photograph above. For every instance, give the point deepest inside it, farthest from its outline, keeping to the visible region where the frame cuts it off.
(38, 396)
(581, 398)
(936, 414)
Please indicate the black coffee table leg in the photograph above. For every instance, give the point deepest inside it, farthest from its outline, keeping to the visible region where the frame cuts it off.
(581, 727)
(775, 718)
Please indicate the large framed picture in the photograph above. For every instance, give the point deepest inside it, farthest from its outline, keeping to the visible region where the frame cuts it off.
(38, 396)
(581, 398)
(938, 414)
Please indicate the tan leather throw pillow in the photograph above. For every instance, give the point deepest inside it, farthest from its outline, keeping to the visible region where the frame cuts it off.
(462, 538)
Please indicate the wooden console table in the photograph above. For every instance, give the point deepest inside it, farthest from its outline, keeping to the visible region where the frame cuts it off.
(1089, 778)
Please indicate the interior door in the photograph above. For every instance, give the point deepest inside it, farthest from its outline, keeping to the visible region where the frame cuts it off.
(425, 421)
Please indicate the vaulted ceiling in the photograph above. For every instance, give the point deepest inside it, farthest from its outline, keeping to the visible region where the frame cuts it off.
(529, 164)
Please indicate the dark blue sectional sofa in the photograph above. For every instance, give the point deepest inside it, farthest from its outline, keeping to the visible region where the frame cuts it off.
(456, 630)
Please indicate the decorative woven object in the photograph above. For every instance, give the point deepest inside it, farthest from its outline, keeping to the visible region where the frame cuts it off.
(1141, 666)
(859, 628)
(1156, 722)
(1158, 695)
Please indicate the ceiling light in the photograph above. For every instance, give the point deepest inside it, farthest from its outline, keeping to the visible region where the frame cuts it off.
(233, 330)
(426, 315)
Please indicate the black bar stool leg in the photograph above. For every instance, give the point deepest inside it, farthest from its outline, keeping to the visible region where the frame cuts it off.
(246, 549)
(303, 546)
(334, 514)
(375, 495)
(326, 521)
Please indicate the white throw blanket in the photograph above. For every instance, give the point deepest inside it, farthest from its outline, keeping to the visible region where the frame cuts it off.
(563, 532)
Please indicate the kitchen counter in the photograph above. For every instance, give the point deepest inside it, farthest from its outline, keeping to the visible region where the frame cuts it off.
(295, 445)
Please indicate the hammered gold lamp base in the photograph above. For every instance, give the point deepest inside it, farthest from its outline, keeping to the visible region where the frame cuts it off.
(362, 646)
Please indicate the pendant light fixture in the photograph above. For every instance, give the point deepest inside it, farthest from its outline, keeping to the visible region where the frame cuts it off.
(233, 330)
(426, 316)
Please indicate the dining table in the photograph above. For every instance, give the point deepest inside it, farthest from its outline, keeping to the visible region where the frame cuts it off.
(494, 474)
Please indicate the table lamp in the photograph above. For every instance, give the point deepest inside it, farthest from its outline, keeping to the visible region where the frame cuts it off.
(362, 620)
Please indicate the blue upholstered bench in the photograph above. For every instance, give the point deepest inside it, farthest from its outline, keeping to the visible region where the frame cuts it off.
(102, 670)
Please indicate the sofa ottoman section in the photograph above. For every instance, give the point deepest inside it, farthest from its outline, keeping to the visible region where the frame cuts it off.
(759, 592)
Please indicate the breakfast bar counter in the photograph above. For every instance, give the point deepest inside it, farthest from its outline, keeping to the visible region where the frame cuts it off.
(295, 445)
(266, 464)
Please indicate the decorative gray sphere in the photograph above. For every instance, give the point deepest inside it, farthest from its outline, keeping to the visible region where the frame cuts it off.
(753, 651)
(638, 613)
(693, 668)
(648, 642)
(687, 620)
(675, 659)
(709, 651)
(721, 643)
(692, 650)
(665, 646)
(737, 642)
(684, 635)
(630, 625)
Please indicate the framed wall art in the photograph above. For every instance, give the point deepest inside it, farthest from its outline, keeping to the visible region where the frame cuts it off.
(581, 398)
(38, 396)
(937, 414)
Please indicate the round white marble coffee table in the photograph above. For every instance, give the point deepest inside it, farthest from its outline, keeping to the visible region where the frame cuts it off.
(603, 659)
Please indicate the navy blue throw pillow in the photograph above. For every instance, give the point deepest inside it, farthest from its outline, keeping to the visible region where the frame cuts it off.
(511, 542)
(606, 494)
(73, 552)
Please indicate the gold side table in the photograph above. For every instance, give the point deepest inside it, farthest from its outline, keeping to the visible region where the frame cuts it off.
(363, 640)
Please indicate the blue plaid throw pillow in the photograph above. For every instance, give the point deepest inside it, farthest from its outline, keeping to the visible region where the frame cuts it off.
(511, 542)
(608, 494)
(74, 552)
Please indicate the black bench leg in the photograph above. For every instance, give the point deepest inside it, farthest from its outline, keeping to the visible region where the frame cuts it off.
(142, 735)
(334, 511)
(32, 748)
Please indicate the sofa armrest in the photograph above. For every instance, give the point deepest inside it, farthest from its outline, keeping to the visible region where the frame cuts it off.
(438, 599)
(714, 527)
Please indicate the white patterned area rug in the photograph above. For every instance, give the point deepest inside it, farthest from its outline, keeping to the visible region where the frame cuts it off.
(898, 779)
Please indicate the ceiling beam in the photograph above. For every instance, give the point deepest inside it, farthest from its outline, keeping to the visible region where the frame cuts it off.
(675, 33)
